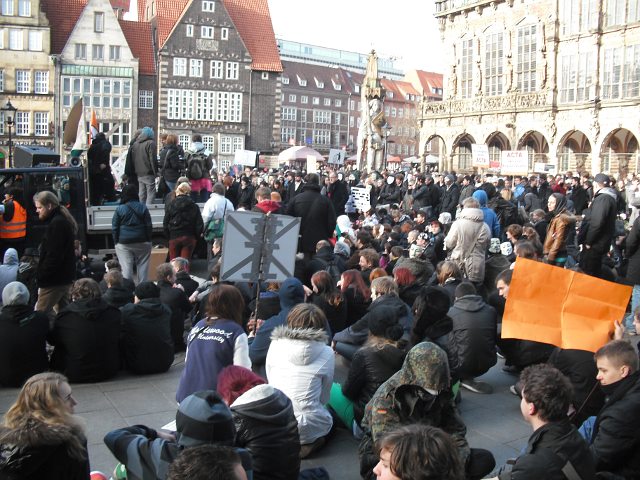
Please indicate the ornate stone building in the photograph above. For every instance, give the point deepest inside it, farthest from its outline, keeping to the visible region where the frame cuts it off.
(558, 78)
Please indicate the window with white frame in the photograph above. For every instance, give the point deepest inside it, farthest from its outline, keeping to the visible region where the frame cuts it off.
(23, 81)
(265, 76)
(301, 81)
(287, 133)
(351, 121)
(206, 105)
(225, 145)
(620, 73)
(393, 112)
(7, 7)
(208, 6)
(352, 104)
(337, 103)
(466, 69)
(400, 112)
(217, 69)
(319, 83)
(2, 30)
(188, 30)
(576, 77)
(316, 100)
(184, 140)
(238, 143)
(180, 104)
(97, 52)
(493, 62)
(631, 71)
(578, 16)
(114, 52)
(1, 80)
(224, 33)
(16, 39)
(327, 102)
(336, 119)
(285, 80)
(98, 22)
(98, 92)
(615, 13)
(23, 120)
(233, 69)
(289, 113)
(292, 98)
(230, 143)
(303, 115)
(206, 31)
(195, 67)
(321, 137)
(41, 124)
(81, 51)
(387, 110)
(304, 99)
(526, 59)
(120, 136)
(24, 8)
(180, 67)
(209, 142)
(390, 94)
(41, 83)
(35, 40)
(322, 116)
(145, 99)
(235, 107)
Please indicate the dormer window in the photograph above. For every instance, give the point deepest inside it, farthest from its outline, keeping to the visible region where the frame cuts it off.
(336, 86)
(390, 94)
(301, 81)
(357, 88)
(285, 80)
(319, 83)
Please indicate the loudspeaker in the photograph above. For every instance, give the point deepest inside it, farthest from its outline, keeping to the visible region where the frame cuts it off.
(26, 156)
(75, 161)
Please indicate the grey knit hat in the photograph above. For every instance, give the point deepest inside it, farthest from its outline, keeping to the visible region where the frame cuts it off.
(204, 418)
(15, 293)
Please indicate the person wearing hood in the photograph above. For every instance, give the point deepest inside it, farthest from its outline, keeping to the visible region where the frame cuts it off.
(200, 180)
(101, 182)
(40, 436)
(182, 223)
(146, 344)
(9, 268)
(23, 336)
(344, 229)
(473, 337)
(419, 393)
(469, 238)
(116, 295)
(489, 216)
(291, 293)
(144, 165)
(384, 292)
(555, 243)
(132, 228)
(318, 217)
(265, 423)
(264, 203)
(86, 334)
(450, 196)
(301, 365)
(598, 226)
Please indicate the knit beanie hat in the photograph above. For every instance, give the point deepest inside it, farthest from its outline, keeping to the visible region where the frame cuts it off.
(204, 418)
(342, 248)
(15, 293)
(147, 290)
(383, 322)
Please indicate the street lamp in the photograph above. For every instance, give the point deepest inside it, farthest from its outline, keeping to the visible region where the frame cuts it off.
(10, 114)
(387, 131)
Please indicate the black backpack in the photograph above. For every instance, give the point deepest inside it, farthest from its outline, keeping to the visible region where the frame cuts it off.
(332, 269)
(196, 166)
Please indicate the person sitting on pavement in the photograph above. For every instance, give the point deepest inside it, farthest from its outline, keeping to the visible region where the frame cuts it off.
(114, 264)
(327, 296)
(291, 293)
(372, 365)
(172, 295)
(613, 435)
(356, 293)
(202, 419)
(146, 343)
(418, 451)
(301, 365)
(265, 423)
(206, 462)
(555, 450)
(23, 337)
(419, 393)
(116, 295)
(384, 291)
(215, 342)
(181, 267)
(473, 337)
(9, 268)
(324, 259)
(86, 334)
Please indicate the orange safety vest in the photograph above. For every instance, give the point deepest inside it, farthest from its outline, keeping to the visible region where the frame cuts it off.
(17, 227)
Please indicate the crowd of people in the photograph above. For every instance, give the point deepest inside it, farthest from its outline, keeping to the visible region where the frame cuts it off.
(408, 291)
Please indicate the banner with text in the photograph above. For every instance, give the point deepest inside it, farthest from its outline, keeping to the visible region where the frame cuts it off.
(514, 162)
(480, 155)
(337, 156)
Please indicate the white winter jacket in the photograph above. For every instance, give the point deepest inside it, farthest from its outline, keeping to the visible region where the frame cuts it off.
(301, 364)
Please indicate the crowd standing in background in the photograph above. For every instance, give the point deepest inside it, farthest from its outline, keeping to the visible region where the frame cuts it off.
(409, 290)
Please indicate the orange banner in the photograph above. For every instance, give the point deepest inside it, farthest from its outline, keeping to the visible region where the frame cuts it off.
(564, 308)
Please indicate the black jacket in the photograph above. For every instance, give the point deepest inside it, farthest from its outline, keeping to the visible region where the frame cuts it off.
(57, 263)
(450, 199)
(473, 338)
(547, 452)
(336, 314)
(246, 197)
(601, 219)
(172, 162)
(36, 450)
(267, 427)
(86, 335)
(118, 296)
(371, 366)
(146, 342)
(633, 253)
(339, 195)
(188, 283)
(182, 218)
(580, 198)
(426, 196)
(23, 335)
(318, 217)
(357, 305)
(321, 261)
(178, 302)
(615, 443)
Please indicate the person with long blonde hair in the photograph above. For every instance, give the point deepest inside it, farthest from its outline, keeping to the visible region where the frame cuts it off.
(40, 436)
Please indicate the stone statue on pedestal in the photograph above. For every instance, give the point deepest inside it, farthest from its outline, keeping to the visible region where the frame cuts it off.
(372, 119)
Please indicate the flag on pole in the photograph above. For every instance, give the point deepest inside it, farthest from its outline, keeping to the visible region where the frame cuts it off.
(81, 133)
(94, 126)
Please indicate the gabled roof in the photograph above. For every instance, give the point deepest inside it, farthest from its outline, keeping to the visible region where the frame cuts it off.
(138, 35)
(313, 74)
(62, 20)
(168, 13)
(253, 21)
(426, 81)
(406, 88)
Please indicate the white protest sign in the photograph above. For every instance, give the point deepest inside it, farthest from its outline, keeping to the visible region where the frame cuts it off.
(245, 157)
(337, 156)
(480, 155)
(117, 167)
(361, 198)
(544, 168)
(514, 162)
(312, 166)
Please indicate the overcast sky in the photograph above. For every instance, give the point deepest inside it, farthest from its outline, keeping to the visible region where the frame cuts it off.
(405, 29)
